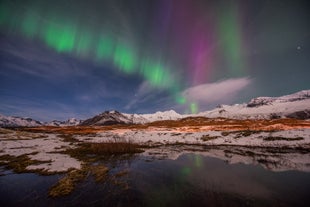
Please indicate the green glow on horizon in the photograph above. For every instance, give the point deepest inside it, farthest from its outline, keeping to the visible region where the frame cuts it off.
(193, 108)
(124, 58)
(180, 99)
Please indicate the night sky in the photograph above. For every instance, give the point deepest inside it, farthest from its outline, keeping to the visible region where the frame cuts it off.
(77, 58)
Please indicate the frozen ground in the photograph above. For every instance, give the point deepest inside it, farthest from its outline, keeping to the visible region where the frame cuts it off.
(275, 150)
(161, 136)
(39, 147)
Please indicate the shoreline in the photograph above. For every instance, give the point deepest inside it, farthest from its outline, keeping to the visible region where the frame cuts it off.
(46, 150)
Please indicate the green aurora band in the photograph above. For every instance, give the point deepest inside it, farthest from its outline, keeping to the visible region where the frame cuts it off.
(65, 35)
(231, 39)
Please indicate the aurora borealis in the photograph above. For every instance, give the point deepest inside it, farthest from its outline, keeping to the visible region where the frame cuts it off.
(75, 58)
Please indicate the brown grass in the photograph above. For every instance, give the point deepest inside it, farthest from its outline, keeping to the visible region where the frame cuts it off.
(85, 150)
(6, 131)
(208, 137)
(19, 163)
(19, 135)
(68, 138)
(282, 138)
(121, 173)
(195, 124)
(68, 183)
(100, 172)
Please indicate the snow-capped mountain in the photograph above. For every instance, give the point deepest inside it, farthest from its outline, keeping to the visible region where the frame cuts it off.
(295, 105)
(158, 116)
(115, 117)
(73, 122)
(69, 122)
(13, 121)
(260, 101)
(107, 118)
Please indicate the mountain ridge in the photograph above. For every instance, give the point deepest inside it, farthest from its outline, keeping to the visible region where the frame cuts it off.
(296, 105)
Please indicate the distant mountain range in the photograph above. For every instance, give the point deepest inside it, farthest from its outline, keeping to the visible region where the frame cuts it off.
(115, 117)
(14, 121)
(69, 122)
(295, 105)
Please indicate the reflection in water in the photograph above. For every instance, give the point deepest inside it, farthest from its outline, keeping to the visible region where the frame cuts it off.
(274, 159)
(216, 183)
(189, 180)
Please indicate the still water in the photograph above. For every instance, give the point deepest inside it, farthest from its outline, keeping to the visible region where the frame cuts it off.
(189, 180)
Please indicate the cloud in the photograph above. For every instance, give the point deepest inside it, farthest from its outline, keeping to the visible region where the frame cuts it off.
(146, 93)
(36, 60)
(143, 93)
(216, 93)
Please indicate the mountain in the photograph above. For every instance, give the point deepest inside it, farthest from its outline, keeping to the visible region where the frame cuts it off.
(13, 121)
(158, 116)
(107, 118)
(295, 105)
(260, 101)
(69, 122)
(115, 117)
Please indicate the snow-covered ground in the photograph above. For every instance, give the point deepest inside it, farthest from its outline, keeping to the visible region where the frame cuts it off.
(275, 150)
(39, 147)
(277, 145)
(162, 136)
